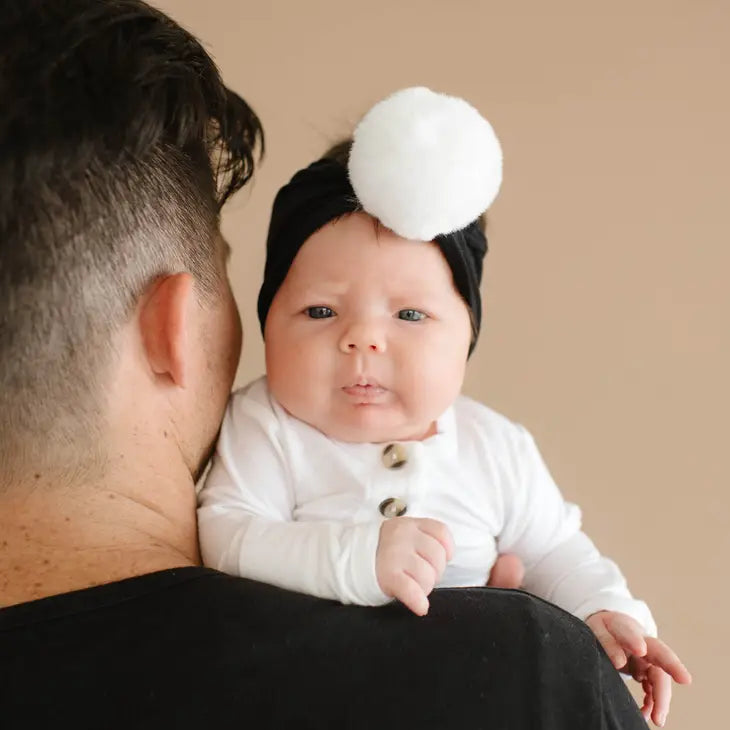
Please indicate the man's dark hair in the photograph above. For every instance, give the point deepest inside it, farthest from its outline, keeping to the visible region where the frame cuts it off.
(119, 144)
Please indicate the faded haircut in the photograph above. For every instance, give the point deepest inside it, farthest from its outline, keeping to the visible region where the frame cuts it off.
(119, 144)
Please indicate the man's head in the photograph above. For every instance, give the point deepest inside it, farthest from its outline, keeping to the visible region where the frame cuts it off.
(119, 144)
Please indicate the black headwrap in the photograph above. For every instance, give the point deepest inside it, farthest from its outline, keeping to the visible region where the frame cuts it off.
(321, 193)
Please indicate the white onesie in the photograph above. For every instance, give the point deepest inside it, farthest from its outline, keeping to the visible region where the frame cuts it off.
(286, 505)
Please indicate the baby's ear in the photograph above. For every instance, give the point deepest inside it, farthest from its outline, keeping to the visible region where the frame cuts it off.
(164, 315)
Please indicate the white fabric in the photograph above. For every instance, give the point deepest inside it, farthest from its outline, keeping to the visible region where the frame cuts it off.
(286, 505)
(425, 164)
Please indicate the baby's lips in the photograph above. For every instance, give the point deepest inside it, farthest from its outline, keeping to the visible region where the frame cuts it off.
(363, 381)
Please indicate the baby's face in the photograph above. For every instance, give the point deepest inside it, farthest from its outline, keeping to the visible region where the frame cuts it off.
(367, 338)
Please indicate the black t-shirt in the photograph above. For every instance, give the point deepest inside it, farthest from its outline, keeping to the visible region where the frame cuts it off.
(194, 648)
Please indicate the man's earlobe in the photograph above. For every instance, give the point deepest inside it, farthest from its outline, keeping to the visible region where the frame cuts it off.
(164, 323)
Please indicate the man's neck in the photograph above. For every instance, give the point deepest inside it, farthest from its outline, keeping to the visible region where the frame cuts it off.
(56, 540)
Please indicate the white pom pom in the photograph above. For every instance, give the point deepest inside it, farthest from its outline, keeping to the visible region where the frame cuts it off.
(424, 163)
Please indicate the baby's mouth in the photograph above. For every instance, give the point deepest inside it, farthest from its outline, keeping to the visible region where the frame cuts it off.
(365, 390)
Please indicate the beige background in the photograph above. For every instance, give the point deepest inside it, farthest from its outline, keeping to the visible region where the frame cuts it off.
(607, 329)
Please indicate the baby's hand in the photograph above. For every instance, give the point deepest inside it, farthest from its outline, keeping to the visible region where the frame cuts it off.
(508, 571)
(412, 554)
(646, 659)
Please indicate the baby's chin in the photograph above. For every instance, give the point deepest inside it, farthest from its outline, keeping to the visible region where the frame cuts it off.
(371, 426)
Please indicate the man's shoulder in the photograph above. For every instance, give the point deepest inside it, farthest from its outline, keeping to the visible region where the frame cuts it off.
(194, 648)
(222, 617)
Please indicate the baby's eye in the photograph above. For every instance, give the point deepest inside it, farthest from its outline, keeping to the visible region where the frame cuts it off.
(411, 315)
(319, 312)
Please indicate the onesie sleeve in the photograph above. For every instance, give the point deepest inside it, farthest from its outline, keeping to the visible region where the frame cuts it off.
(562, 564)
(246, 525)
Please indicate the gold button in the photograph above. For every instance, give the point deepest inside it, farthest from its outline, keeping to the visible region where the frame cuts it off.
(394, 456)
(392, 507)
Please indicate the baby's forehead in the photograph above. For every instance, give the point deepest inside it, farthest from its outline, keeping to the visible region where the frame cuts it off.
(359, 240)
(339, 278)
(355, 255)
(353, 258)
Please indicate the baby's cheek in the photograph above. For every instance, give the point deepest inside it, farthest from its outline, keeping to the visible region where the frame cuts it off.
(441, 382)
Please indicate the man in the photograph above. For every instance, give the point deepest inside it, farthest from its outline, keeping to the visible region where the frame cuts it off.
(119, 340)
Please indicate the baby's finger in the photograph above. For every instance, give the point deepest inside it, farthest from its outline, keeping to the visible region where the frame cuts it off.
(661, 684)
(421, 571)
(411, 595)
(648, 705)
(612, 648)
(627, 632)
(637, 668)
(659, 654)
(432, 551)
(438, 530)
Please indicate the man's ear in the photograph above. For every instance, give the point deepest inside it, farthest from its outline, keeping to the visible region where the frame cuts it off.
(164, 321)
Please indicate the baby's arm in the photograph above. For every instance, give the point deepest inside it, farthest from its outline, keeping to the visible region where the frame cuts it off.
(246, 525)
(562, 565)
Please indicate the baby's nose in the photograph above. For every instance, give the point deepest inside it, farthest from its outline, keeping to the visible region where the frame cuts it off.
(362, 338)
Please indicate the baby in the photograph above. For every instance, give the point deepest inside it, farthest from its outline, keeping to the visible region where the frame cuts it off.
(355, 470)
